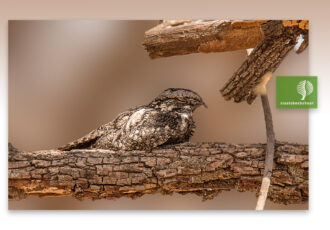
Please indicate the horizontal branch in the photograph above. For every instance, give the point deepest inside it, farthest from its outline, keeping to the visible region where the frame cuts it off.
(204, 36)
(185, 37)
(204, 169)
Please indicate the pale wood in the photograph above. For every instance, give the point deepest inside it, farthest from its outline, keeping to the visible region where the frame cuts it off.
(263, 193)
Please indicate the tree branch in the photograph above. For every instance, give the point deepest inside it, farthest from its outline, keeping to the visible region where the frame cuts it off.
(178, 37)
(185, 37)
(279, 38)
(271, 40)
(204, 169)
(269, 153)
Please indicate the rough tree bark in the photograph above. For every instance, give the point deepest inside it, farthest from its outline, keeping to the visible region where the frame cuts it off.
(279, 38)
(271, 40)
(204, 169)
(186, 36)
(178, 37)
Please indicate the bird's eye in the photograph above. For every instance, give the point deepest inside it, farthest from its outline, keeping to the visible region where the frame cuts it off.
(194, 101)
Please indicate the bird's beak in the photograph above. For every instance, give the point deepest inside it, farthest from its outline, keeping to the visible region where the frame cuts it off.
(203, 103)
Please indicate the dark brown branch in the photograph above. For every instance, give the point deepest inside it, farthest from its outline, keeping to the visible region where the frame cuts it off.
(185, 37)
(270, 149)
(204, 169)
(279, 39)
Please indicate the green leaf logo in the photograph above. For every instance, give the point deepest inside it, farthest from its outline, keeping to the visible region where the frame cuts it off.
(304, 88)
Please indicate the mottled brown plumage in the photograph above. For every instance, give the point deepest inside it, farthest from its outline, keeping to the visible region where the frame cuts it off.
(166, 120)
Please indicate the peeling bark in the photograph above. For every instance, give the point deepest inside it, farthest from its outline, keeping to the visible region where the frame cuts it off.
(204, 169)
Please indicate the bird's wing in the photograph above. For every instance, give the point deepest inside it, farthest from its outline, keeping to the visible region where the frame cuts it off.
(87, 140)
(83, 142)
(148, 128)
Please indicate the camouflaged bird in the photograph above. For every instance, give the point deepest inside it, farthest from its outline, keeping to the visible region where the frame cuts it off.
(165, 120)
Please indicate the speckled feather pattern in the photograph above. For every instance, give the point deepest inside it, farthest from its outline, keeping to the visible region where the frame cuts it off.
(166, 120)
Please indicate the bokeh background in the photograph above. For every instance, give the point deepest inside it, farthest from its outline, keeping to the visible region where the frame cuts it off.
(69, 77)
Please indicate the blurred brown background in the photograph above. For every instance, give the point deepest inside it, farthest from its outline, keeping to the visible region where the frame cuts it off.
(69, 77)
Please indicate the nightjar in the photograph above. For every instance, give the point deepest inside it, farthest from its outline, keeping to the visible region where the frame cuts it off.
(165, 120)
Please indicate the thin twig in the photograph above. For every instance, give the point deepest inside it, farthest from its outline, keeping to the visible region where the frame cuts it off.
(269, 153)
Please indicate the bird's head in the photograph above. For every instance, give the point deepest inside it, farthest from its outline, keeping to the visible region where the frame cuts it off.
(178, 99)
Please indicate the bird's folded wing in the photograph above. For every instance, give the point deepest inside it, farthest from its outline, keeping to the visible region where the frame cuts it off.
(83, 142)
(87, 140)
(149, 128)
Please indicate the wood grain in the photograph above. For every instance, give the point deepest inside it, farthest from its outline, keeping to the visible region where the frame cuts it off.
(186, 37)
